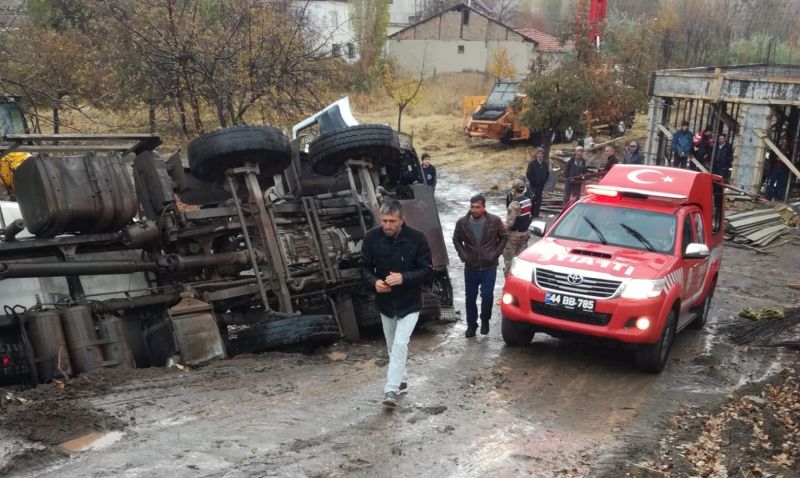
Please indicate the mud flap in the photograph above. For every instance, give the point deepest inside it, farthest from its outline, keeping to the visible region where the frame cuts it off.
(196, 332)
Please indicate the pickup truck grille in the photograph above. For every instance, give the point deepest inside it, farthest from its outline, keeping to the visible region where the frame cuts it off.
(591, 318)
(587, 286)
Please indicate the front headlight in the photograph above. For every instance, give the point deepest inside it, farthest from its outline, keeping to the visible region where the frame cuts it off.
(522, 269)
(643, 289)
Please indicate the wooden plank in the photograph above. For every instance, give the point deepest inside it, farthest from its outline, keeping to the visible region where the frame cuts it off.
(759, 235)
(664, 130)
(756, 220)
(742, 215)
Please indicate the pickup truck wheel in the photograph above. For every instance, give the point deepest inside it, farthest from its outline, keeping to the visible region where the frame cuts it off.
(314, 330)
(329, 151)
(213, 153)
(652, 357)
(516, 334)
(702, 317)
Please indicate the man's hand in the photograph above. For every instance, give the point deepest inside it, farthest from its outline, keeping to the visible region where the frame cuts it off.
(381, 287)
(394, 278)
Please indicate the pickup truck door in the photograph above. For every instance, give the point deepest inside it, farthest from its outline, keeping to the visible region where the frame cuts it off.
(693, 269)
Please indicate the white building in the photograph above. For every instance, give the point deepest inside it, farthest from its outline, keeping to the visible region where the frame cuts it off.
(332, 19)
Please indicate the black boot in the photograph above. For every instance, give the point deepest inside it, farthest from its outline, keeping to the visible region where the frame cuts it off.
(471, 331)
(484, 327)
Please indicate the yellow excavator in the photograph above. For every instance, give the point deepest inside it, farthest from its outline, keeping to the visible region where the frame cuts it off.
(12, 121)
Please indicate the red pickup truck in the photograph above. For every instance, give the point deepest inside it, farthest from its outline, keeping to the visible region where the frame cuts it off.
(635, 261)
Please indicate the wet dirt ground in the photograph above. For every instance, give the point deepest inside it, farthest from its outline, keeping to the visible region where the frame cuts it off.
(474, 407)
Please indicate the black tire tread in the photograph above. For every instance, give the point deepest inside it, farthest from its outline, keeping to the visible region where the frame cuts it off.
(648, 357)
(288, 332)
(330, 150)
(212, 153)
(516, 334)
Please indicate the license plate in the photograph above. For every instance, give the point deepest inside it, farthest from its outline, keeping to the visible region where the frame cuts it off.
(569, 302)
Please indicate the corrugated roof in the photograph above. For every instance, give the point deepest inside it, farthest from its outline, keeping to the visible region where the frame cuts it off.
(544, 43)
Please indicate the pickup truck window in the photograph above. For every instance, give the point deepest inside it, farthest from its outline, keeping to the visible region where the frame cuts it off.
(619, 226)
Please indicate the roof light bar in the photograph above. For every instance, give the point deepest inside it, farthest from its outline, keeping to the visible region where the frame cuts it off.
(602, 191)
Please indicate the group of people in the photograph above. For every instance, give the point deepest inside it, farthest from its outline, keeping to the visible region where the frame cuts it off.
(575, 168)
(690, 149)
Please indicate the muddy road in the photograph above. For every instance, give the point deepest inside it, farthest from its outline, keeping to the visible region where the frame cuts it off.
(474, 407)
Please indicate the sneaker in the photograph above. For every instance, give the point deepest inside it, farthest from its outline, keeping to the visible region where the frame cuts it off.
(484, 327)
(390, 399)
(403, 388)
(471, 331)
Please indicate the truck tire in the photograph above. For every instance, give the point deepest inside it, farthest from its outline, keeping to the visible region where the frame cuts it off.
(314, 330)
(702, 316)
(329, 151)
(516, 334)
(443, 289)
(652, 358)
(431, 306)
(213, 153)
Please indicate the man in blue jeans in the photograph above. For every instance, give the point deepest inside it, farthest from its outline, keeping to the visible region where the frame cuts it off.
(396, 261)
(479, 238)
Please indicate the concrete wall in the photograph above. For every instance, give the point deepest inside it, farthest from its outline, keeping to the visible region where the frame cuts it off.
(333, 22)
(441, 56)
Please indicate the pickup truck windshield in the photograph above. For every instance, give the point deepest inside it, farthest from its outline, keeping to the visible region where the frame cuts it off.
(619, 226)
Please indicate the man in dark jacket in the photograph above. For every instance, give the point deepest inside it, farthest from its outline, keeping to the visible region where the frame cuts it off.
(634, 156)
(573, 176)
(428, 171)
(779, 172)
(611, 158)
(722, 159)
(682, 145)
(396, 261)
(537, 174)
(479, 238)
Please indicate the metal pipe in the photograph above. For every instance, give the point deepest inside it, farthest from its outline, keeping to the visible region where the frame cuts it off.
(169, 263)
(355, 198)
(8, 233)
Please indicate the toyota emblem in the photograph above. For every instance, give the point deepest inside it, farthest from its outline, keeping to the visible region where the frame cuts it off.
(575, 279)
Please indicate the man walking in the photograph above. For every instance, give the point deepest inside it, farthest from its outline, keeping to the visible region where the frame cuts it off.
(538, 173)
(573, 176)
(682, 142)
(479, 238)
(611, 158)
(428, 171)
(634, 156)
(396, 261)
(518, 219)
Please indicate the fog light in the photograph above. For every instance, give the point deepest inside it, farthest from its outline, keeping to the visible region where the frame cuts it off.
(642, 323)
(508, 299)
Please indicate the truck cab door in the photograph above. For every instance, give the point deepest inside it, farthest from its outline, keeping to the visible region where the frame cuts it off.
(693, 268)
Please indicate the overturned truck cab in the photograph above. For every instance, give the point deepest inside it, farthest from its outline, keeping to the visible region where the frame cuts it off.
(254, 246)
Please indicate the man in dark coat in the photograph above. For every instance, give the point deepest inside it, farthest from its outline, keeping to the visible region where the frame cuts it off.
(634, 156)
(428, 171)
(681, 145)
(396, 262)
(722, 158)
(611, 158)
(779, 172)
(573, 176)
(537, 175)
(479, 239)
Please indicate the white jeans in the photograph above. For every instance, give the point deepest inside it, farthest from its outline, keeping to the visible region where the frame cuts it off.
(398, 333)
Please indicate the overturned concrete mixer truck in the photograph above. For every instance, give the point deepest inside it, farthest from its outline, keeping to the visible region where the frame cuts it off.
(119, 257)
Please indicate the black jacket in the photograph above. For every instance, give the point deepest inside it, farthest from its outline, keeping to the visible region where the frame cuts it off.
(573, 171)
(483, 256)
(537, 174)
(611, 161)
(723, 160)
(429, 176)
(410, 254)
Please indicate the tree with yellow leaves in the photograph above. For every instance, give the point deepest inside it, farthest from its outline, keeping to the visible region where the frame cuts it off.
(501, 67)
(404, 87)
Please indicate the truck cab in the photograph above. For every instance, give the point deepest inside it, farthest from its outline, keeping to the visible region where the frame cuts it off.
(634, 261)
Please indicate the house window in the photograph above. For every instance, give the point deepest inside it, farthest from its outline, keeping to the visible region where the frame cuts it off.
(336, 50)
(413, 19)
(465, 17)
(460, 49)
(351, 51)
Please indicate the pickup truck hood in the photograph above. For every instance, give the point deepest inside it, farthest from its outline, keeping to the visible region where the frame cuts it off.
(616, 261)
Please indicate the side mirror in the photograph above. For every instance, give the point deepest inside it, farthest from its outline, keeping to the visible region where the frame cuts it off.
(696, 251)
(538, 228)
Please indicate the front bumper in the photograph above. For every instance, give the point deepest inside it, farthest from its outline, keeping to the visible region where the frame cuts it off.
(612, 319)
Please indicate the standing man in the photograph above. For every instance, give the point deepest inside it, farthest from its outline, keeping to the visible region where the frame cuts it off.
(396, 261)
(479, 238)
(723, 158)
(682, 146)
(518, 219)
(611, 158)
(537, 174)
(428, 171)
(573, 176)
(778, 173)
(634, 156)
